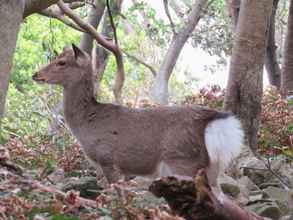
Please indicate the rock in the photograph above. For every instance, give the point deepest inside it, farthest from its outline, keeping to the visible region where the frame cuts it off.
(266, 209)
(276, 184)
(281, 196)
(247, 183)
(229, 186)
(57, 176)
(234, 189)
(86, 185)
(255, 196)
(287, 217)
(259, 174)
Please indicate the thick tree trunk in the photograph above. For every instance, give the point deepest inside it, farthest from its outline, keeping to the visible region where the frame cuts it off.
(271, 60)
(159, 91)
(245, 85)
(11, 12)
(287, 71)
(94, 18)
(233, 8)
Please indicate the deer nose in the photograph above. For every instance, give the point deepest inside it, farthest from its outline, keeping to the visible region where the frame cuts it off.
(35, 76)
(38, 77)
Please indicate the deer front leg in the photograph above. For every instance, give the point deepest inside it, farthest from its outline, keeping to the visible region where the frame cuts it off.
(111, 172)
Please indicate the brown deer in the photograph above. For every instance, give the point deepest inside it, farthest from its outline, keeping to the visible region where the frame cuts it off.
(150, 142)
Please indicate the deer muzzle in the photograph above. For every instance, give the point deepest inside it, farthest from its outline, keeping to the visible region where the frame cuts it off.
(39, 77)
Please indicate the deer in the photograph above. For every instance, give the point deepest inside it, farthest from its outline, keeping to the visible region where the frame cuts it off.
(149, 142)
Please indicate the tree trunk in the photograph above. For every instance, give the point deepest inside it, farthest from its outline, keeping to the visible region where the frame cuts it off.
(245, 84)
(101, 55)
(287, 72)
(271, 60)
(94, 18)
(159, 91)
(11, 12)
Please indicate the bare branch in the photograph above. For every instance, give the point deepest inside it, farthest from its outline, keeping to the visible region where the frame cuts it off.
(138, 60)
(166, 7)
(270, 169)
(112, 22)
(51, 13)
(35, 6)
(109, 45)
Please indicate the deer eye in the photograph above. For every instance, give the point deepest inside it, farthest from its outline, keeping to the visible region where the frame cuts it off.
(61, 63)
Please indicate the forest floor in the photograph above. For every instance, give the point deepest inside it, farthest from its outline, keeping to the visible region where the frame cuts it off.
(31, 188)
(41, 179)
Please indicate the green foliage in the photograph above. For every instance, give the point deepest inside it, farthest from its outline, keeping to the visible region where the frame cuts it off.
(157, 29)
(27, 114)
(38, 38)
(63, 217)
(214, 32)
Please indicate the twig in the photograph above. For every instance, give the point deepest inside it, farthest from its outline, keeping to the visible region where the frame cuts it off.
(166, 7)
(37, 185)
(112, 22)
(12, 167)
(268, 166)
(154, 72)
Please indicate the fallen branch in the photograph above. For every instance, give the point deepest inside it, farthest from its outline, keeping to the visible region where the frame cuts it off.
(62, 195)
(195, 200)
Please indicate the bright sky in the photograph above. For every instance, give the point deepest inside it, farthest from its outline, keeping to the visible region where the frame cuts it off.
(195, 60)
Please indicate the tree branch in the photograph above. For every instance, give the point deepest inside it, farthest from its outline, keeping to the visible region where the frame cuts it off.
(138, 60)
(35, 6)
(109, 45)
(166, 7)
(112, 22)
(51, 13)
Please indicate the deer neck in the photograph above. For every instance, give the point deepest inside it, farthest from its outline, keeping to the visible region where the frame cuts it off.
(78, 101)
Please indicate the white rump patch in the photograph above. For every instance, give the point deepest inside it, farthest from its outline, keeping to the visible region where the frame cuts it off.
(224, 139)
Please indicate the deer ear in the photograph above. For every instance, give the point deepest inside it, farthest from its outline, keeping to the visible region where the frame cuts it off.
(78, 53)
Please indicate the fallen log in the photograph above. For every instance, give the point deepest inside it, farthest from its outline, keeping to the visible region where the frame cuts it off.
(194, 200)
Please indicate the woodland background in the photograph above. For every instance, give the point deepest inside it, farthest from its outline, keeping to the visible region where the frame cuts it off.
(242, 36)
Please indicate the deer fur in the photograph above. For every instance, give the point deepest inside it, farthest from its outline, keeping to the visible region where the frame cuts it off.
(150, 142)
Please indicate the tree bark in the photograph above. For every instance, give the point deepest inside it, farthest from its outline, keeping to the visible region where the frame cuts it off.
(287, 70)
(194, 200)
(159, 91)
(11, 12)
(101, 55)
(245, 84)
(271, 60)
(94, 18)
(35, 6)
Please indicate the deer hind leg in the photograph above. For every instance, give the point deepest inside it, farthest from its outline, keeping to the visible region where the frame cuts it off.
(213, 172)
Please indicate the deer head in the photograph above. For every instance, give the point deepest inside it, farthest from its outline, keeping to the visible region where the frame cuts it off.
(66, 69)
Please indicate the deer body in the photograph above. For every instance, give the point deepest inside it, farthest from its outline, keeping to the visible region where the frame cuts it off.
(150, 142)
